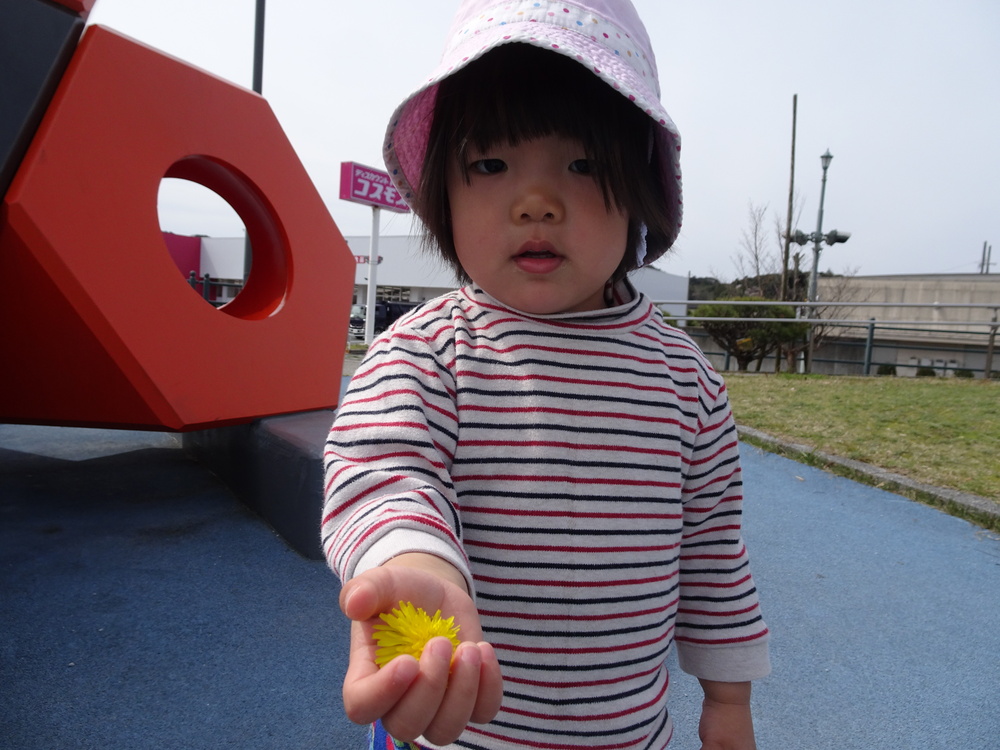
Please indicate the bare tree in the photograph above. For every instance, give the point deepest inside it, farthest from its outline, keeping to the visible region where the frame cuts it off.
(759, 266)
(755, 259)
(788, 286)
(759, 259)
(840, 289)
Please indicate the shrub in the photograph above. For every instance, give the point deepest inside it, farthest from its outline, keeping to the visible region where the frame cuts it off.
(886, 370)
(963, 373)
(746, 339)
(926, 372)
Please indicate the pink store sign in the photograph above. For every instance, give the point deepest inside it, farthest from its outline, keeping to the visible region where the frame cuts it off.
(370, 186)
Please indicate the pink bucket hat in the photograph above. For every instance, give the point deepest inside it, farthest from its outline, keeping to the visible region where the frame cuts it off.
(606, 36)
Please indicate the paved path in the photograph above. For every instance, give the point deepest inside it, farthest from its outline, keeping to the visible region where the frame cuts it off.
(885, 617)
(141, 606)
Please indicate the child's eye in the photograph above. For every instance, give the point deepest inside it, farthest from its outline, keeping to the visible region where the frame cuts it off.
(581, 166)
(488, 166)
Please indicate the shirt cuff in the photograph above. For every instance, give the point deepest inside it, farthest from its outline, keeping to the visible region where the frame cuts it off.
(725, 663)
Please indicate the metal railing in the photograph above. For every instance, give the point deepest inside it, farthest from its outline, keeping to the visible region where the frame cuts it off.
(908, 335)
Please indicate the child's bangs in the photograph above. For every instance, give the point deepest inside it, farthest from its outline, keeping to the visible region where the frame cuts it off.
(511, 101)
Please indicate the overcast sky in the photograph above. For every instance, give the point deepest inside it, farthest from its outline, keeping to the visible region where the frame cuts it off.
(904, 93)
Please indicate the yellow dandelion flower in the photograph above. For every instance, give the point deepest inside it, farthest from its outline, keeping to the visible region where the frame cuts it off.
(406, 631)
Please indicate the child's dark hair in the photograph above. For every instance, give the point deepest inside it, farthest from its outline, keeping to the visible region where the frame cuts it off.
(518, 92)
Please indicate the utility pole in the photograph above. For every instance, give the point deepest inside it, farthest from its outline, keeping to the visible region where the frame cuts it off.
(783, 288)
(783, 294)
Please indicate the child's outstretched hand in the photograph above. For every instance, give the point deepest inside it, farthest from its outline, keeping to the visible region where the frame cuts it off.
(439, 695)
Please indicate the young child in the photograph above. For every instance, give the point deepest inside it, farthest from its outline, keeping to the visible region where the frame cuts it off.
(538, 454)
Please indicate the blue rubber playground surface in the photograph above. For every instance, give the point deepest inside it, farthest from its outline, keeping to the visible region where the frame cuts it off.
(142, 606)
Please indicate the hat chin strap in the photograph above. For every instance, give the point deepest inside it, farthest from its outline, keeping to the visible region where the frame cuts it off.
(640, 249)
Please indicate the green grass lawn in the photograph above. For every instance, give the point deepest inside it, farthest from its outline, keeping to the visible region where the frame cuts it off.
(941, 431)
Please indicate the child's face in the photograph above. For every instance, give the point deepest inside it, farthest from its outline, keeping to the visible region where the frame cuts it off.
(531, 227)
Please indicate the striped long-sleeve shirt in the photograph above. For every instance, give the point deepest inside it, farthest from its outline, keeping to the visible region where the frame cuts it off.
(582, 471)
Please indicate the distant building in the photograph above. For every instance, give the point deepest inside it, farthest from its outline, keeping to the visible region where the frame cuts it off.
(213, 266)
(406, 273)
(928, 335)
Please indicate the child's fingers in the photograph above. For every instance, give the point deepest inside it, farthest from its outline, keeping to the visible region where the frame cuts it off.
(415, 710)
(489, 694)
(459, 699)
(369, 695)
(380, 589)
(364, 597)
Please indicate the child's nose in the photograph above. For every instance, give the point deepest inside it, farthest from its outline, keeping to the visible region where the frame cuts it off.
(537, 202)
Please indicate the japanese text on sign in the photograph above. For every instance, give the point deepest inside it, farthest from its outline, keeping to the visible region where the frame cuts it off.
(373, 187)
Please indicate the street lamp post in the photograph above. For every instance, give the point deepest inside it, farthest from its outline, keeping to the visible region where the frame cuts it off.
(825, 159)
(817, 239)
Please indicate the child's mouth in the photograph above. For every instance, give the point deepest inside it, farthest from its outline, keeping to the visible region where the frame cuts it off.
(537, 257)
(537, 249)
